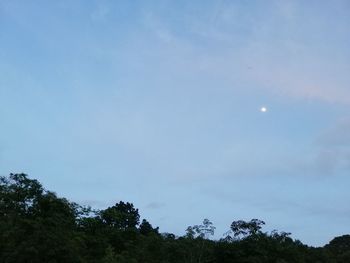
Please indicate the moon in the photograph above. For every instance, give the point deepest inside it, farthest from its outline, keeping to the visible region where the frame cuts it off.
(263, 109)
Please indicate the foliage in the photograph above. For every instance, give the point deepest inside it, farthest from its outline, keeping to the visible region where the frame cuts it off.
(38, 226)
(243, 229)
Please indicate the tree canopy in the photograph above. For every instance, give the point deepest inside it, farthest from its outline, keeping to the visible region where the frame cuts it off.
(38, 226)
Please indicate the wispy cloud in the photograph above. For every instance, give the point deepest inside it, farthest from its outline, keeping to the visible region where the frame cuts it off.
(334, 147)
(155, 205)
(100, 12)
(285, 54)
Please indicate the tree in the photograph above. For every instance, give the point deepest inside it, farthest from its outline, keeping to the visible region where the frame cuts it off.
(146, 228)
(198, 234)
(18, 194)
(340, 247)
(202, 231)
(120, 227)
(36, 225)
(121, 216)
(242, 229)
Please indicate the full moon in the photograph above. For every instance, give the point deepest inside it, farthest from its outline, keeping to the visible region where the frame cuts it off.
(263, 109)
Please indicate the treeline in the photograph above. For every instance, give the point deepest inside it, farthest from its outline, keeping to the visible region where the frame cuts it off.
(38, 226)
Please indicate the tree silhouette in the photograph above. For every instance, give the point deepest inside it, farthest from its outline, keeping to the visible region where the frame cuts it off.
(121, 216)
(38, 226)
(242, 229)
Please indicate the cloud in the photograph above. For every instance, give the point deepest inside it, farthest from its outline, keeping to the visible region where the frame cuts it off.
(305, 76)
(100, 12)
(155, 205)
(287, 54)
(334, 147)
(338, 136)
(327, 155)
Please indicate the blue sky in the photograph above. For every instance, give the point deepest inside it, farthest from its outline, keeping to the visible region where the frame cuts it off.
(157, 103)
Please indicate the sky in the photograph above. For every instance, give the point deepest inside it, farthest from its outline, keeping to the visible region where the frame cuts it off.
(158, 103)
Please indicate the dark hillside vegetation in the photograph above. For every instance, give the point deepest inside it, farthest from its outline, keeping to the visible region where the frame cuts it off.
(38, 226)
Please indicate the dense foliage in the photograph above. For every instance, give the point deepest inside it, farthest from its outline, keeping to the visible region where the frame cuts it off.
(38, 226)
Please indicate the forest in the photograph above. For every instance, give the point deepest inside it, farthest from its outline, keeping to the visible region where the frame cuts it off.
(37, 225)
